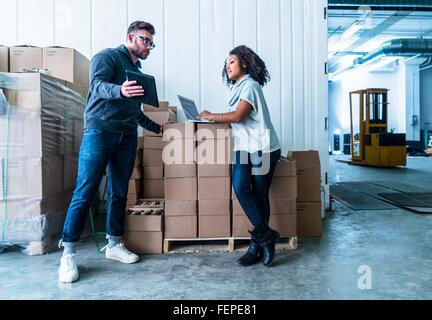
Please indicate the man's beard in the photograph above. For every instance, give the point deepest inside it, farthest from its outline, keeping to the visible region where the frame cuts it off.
(143, 55)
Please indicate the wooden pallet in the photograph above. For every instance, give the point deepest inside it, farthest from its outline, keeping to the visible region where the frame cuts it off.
(230, 244)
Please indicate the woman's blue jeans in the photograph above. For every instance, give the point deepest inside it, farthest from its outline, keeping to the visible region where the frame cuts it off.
(251, 178)
(99, 150)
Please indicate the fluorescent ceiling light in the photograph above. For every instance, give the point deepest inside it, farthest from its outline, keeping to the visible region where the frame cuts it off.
(356, 26)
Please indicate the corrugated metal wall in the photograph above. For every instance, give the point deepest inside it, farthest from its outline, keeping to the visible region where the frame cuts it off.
(193, 38)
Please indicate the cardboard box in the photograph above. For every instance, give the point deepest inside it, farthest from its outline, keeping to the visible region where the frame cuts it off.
(181, 188)
(283, 188)
(207, 131)
(309, 220)
(153, 173)
(181, 151)
(67, 64)
(181, 227)
(214, 170)
(135, 186)
(308, 175)
(153, 188)
(214, 226)
(4, 59)
(178, 131)
(214, 207)
(241, 225)
(152, 158)
(180, 208)
(214, 188)
(163, 106)
(285, 224)
(143, 242)
(153, 143)
(25, 57)
(285, 167)
(180, 171)
(143, 223)
(214, 152)
(160, 117)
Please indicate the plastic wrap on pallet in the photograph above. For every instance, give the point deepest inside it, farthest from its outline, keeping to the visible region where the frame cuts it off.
(41, 125)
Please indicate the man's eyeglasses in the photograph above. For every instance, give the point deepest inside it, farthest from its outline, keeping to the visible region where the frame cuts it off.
(146, 41)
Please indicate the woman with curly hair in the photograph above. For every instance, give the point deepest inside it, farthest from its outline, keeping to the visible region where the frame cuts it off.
(256, 146)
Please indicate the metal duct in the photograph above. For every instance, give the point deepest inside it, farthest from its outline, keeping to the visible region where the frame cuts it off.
(399, 47)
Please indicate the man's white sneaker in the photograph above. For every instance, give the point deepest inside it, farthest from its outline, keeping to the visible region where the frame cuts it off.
(68, 271)
(120, 253)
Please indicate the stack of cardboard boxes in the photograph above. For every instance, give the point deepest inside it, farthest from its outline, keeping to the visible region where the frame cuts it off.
(143, 226)
(63, 63)
(283, 193)
(214, 184)
(309, 206)
(180, 181)
(41, 124)
(153, 179)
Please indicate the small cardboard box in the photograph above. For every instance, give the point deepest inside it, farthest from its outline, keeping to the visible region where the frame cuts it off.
(152, 158)
(67, 64)
(153, 188)
(309, 219)
(214, 188)
(214, 207)
(153, 143)
(25, 57)
(218, 226)
(143, 242)
(181, 151)
(283, 188)
(153, 173)
(4, 59)
(277, 206)
(181, 227)
(181, 188)
(214, 152)
(180, 171)
(241, 225)
(178, 131)
(180, 208)
(214, 170)
(143, 223)
(308, 175)
(207, 131)
(285, 224)
(160, 117)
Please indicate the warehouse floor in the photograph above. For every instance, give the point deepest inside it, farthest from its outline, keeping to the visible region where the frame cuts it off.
(395, 246)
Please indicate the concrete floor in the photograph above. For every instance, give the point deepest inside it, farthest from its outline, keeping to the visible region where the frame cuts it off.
(395, 245)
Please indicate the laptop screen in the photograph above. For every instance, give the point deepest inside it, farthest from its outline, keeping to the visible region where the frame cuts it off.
(189, 107)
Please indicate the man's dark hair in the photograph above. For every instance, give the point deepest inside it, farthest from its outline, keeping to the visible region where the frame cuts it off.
(141, 25)
(255, 66)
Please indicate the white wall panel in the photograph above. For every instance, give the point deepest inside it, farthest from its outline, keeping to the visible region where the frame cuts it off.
(36, 22)
(269, 49)
(182, 50)
(8, 22)
(109, 24)
(245, 23)
(153, 12)
(73, 25)
(216, 42)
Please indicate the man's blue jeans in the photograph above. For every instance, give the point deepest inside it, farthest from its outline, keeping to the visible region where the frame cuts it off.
(99, 149)
(251, 178)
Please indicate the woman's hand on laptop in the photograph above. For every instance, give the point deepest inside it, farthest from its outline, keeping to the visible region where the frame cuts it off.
(130, 90)
(205, 115)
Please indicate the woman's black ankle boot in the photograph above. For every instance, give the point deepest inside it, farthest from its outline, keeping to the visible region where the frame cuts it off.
(267, 239)
(253, 254)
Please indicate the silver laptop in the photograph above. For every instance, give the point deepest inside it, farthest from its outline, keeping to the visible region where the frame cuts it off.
(190, 110)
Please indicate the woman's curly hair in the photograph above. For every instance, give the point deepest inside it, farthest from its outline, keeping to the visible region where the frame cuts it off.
(255, 66)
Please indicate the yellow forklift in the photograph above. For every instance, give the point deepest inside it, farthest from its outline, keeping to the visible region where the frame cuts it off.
(371, 142)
